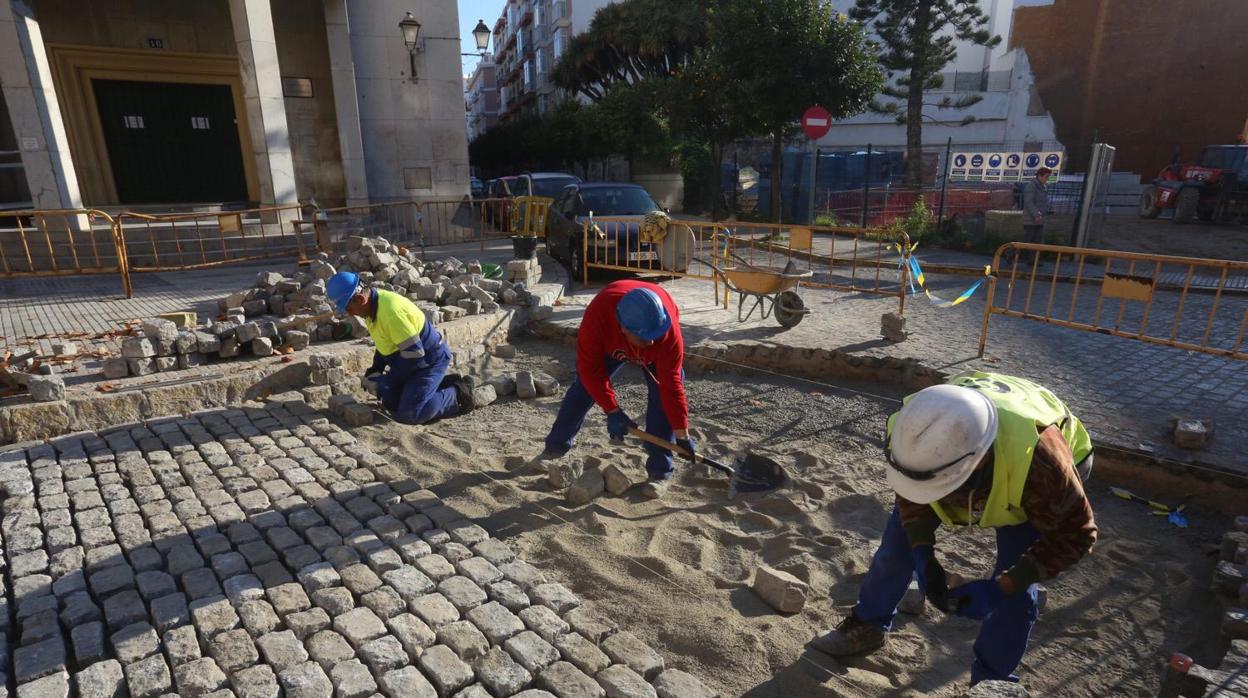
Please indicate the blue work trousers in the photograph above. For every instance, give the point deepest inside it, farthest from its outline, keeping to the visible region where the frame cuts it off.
(577, 403)
(413, 395)
(1002, 636)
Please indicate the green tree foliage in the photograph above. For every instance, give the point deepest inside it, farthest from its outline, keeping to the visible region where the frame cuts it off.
(630, 42)
(916, 42)
(787, 55)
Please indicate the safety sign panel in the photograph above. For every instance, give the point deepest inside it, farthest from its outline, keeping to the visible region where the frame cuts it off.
(1003, 167)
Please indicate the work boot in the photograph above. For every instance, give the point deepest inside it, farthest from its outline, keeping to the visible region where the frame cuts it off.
(464, 386)
(852, 636)
(654, 489)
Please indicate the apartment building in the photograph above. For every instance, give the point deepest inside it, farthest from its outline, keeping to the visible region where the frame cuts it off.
(481, 98)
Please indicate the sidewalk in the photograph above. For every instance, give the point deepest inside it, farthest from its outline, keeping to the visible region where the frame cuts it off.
(1123, 389)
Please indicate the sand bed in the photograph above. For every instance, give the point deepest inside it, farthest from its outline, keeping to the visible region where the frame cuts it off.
(676, 572)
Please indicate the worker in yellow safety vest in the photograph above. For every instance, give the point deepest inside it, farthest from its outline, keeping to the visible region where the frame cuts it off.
(986, 450)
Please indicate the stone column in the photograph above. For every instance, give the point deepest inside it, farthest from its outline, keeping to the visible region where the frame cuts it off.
(30, 97)
(413, 132)
(266, 107)
(346, 109)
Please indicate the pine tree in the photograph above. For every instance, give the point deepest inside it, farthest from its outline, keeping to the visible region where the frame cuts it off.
(916, 41)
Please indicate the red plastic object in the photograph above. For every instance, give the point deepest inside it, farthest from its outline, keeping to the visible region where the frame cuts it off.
(1180, 662)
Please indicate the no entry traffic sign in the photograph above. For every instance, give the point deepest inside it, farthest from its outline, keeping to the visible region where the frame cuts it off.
(816, 122)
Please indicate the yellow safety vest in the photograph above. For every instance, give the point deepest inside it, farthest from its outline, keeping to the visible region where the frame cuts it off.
(398, 321)
(1024, 409)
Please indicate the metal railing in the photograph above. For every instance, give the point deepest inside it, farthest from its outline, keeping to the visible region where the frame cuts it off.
(621, 244)
(1198, 305)
(845, 259)
(58, 242)
(182, 241)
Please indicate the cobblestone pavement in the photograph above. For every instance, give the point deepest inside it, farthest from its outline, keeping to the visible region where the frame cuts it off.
(1125, 390)
(258, 550)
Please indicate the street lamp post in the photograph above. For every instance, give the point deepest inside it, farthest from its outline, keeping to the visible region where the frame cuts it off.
(411, 38)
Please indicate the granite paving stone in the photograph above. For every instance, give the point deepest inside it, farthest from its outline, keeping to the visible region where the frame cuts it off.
(259, 552)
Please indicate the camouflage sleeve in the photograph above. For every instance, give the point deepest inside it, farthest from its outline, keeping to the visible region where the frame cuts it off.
(919, 522)
(1058, 508)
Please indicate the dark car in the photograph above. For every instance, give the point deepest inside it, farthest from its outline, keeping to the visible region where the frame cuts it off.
(547, 184)
(619, 243)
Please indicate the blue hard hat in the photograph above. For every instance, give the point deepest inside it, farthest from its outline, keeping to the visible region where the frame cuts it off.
(341, 287)
(641, 312)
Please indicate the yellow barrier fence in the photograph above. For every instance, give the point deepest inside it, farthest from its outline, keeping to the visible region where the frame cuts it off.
(58, 242)
(1198, 305)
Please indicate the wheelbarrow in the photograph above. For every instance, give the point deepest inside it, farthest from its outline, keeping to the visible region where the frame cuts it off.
(771, 289)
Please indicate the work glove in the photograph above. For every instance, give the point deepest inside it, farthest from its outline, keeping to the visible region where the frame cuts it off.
(690, 446)
(976, 599)
(618, 424)
(931, 576)
(370, 383)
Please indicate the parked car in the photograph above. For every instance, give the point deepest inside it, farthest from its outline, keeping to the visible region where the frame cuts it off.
(475, 187)
(620, 244)
(499, 191)
(547, 184)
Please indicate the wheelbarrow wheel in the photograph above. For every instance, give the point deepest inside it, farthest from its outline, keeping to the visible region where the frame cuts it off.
(790, 309)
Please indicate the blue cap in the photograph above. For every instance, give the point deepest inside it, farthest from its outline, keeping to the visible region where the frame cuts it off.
(641, 312)
(341, 288)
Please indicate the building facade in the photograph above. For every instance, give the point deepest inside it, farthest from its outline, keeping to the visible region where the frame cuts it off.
(1010, 111)
(529, 38)
(1147, 76)
(123, 104)
(481, 98)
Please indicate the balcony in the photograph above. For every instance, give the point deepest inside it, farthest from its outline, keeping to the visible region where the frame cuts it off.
(561, 15)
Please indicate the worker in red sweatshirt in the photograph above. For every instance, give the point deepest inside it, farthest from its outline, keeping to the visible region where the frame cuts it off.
(629, 322)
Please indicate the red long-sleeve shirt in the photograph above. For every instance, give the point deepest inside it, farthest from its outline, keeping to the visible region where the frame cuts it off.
(601, 337)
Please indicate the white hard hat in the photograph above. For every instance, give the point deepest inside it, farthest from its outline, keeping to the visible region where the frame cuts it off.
(938, 438)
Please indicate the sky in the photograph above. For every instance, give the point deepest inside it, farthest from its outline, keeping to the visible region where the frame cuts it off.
(469, 12)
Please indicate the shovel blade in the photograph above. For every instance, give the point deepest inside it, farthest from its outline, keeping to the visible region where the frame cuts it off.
(755, 473)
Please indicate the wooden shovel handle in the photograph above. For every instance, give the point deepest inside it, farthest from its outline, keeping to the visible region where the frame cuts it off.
(664, 443)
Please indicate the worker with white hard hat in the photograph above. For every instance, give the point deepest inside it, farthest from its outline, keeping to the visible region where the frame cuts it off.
(985, 450)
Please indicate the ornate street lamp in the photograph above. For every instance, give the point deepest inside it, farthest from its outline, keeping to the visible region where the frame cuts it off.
(482, 35)
(411, 38)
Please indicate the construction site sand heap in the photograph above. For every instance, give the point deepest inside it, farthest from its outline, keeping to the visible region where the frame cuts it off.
(283, 314)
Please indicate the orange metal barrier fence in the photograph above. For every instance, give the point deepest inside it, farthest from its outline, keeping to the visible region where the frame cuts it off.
(1198, 305)
(846, 259)
(57, 242)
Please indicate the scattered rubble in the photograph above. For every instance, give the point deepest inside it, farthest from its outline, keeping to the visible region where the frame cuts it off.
(282, 314)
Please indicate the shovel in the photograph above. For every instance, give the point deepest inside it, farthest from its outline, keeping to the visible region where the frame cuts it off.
(751, 473)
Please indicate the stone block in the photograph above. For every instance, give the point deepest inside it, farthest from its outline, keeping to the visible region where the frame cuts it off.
(622, 682)
(307, 623)
(588, 486)
(484, 395)
(262, 346)
(564, 679)
(166, 363)
(625, 648)
(191, 360)
(282, 650)
(115, 368)
(357, 415)
(445, 669)
(229, 348)
(526, 388)
(359, 626)
(893, 327)
(160, 329)
(233, 650)
(564, 472)
(308, 680)
(297, 340)
(198, 678)
(207, 343)
(185, 343)
(1191, 433)
(501, 674)
(412, 633)
(352, 679)
(997, 689)
(615, 480)
(137, 348)
(54, 686)
(781, 590)
(101, 680)
(134, 642)
(465, 639)
(674, 683)
(149, 678)
(435, 610)
(88, 642)
(384, 654)
(406, 682)
(328, 648)
(247, 332)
